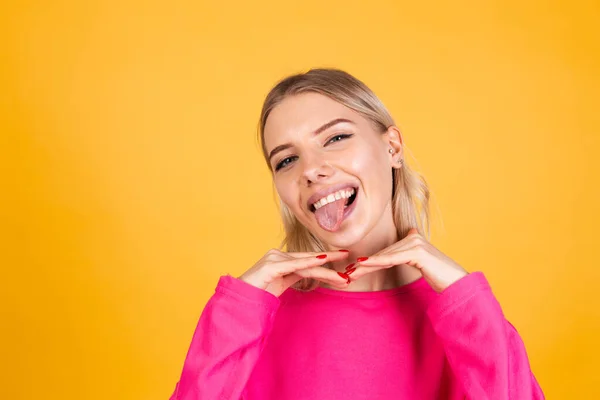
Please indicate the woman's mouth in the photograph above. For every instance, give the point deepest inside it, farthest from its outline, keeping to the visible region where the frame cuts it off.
(331, 210)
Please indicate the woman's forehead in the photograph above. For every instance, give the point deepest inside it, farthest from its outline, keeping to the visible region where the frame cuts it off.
(302, 114)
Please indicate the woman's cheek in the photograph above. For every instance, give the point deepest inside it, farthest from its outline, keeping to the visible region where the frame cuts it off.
(358, 162)
(291, 198)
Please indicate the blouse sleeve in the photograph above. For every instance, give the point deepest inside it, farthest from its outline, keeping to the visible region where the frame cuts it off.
(227, 342)
(485, 352)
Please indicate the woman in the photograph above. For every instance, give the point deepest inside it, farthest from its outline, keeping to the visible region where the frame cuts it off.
(361, 305)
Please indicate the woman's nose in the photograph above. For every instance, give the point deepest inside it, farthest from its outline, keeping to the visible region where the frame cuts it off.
(314, 168)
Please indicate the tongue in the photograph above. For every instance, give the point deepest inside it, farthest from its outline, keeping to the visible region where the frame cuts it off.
(329, 217)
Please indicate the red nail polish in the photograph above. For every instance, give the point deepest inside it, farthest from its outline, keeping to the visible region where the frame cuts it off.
(350, 266)
(322, 256)
(343, 275)
(348, 272)
(344, 250)
(348, 280)
(360, 259)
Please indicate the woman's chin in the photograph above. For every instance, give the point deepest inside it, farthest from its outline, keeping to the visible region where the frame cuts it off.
(343, 239)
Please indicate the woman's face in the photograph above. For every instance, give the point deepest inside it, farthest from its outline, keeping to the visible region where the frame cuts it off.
(331, 168)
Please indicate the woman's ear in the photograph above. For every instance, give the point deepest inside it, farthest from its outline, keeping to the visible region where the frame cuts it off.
(395, 148)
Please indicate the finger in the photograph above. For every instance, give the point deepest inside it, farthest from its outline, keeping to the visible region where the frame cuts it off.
(291, 265)
(403, 244)
(334, 255)
(360, 271)
(410, 256)
(407, 242)
(319, 273)
(290, 279)
(412, 231)
(324, 275)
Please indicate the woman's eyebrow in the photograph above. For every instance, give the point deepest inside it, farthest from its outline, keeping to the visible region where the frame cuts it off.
(316, 132)
(332, 123)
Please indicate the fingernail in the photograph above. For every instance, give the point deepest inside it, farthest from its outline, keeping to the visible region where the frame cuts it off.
(344, 250)
(322, 256)
(361, 259)
(343, 275)
(350, 266)
(348, 272)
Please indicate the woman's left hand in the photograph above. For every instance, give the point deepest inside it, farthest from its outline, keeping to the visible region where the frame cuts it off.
(438, 269)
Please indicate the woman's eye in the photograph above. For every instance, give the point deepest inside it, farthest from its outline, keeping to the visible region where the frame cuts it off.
(285, 162)
(338, 137)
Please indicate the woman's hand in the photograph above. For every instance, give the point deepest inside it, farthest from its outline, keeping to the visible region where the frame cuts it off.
(438, 269)
(277, 270)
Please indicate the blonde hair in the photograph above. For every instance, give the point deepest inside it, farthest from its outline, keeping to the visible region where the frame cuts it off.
(410, 195)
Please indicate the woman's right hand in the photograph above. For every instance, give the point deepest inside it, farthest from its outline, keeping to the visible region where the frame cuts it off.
(277, 270)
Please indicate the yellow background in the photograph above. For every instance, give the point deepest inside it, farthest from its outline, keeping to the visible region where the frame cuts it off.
(131, 176)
